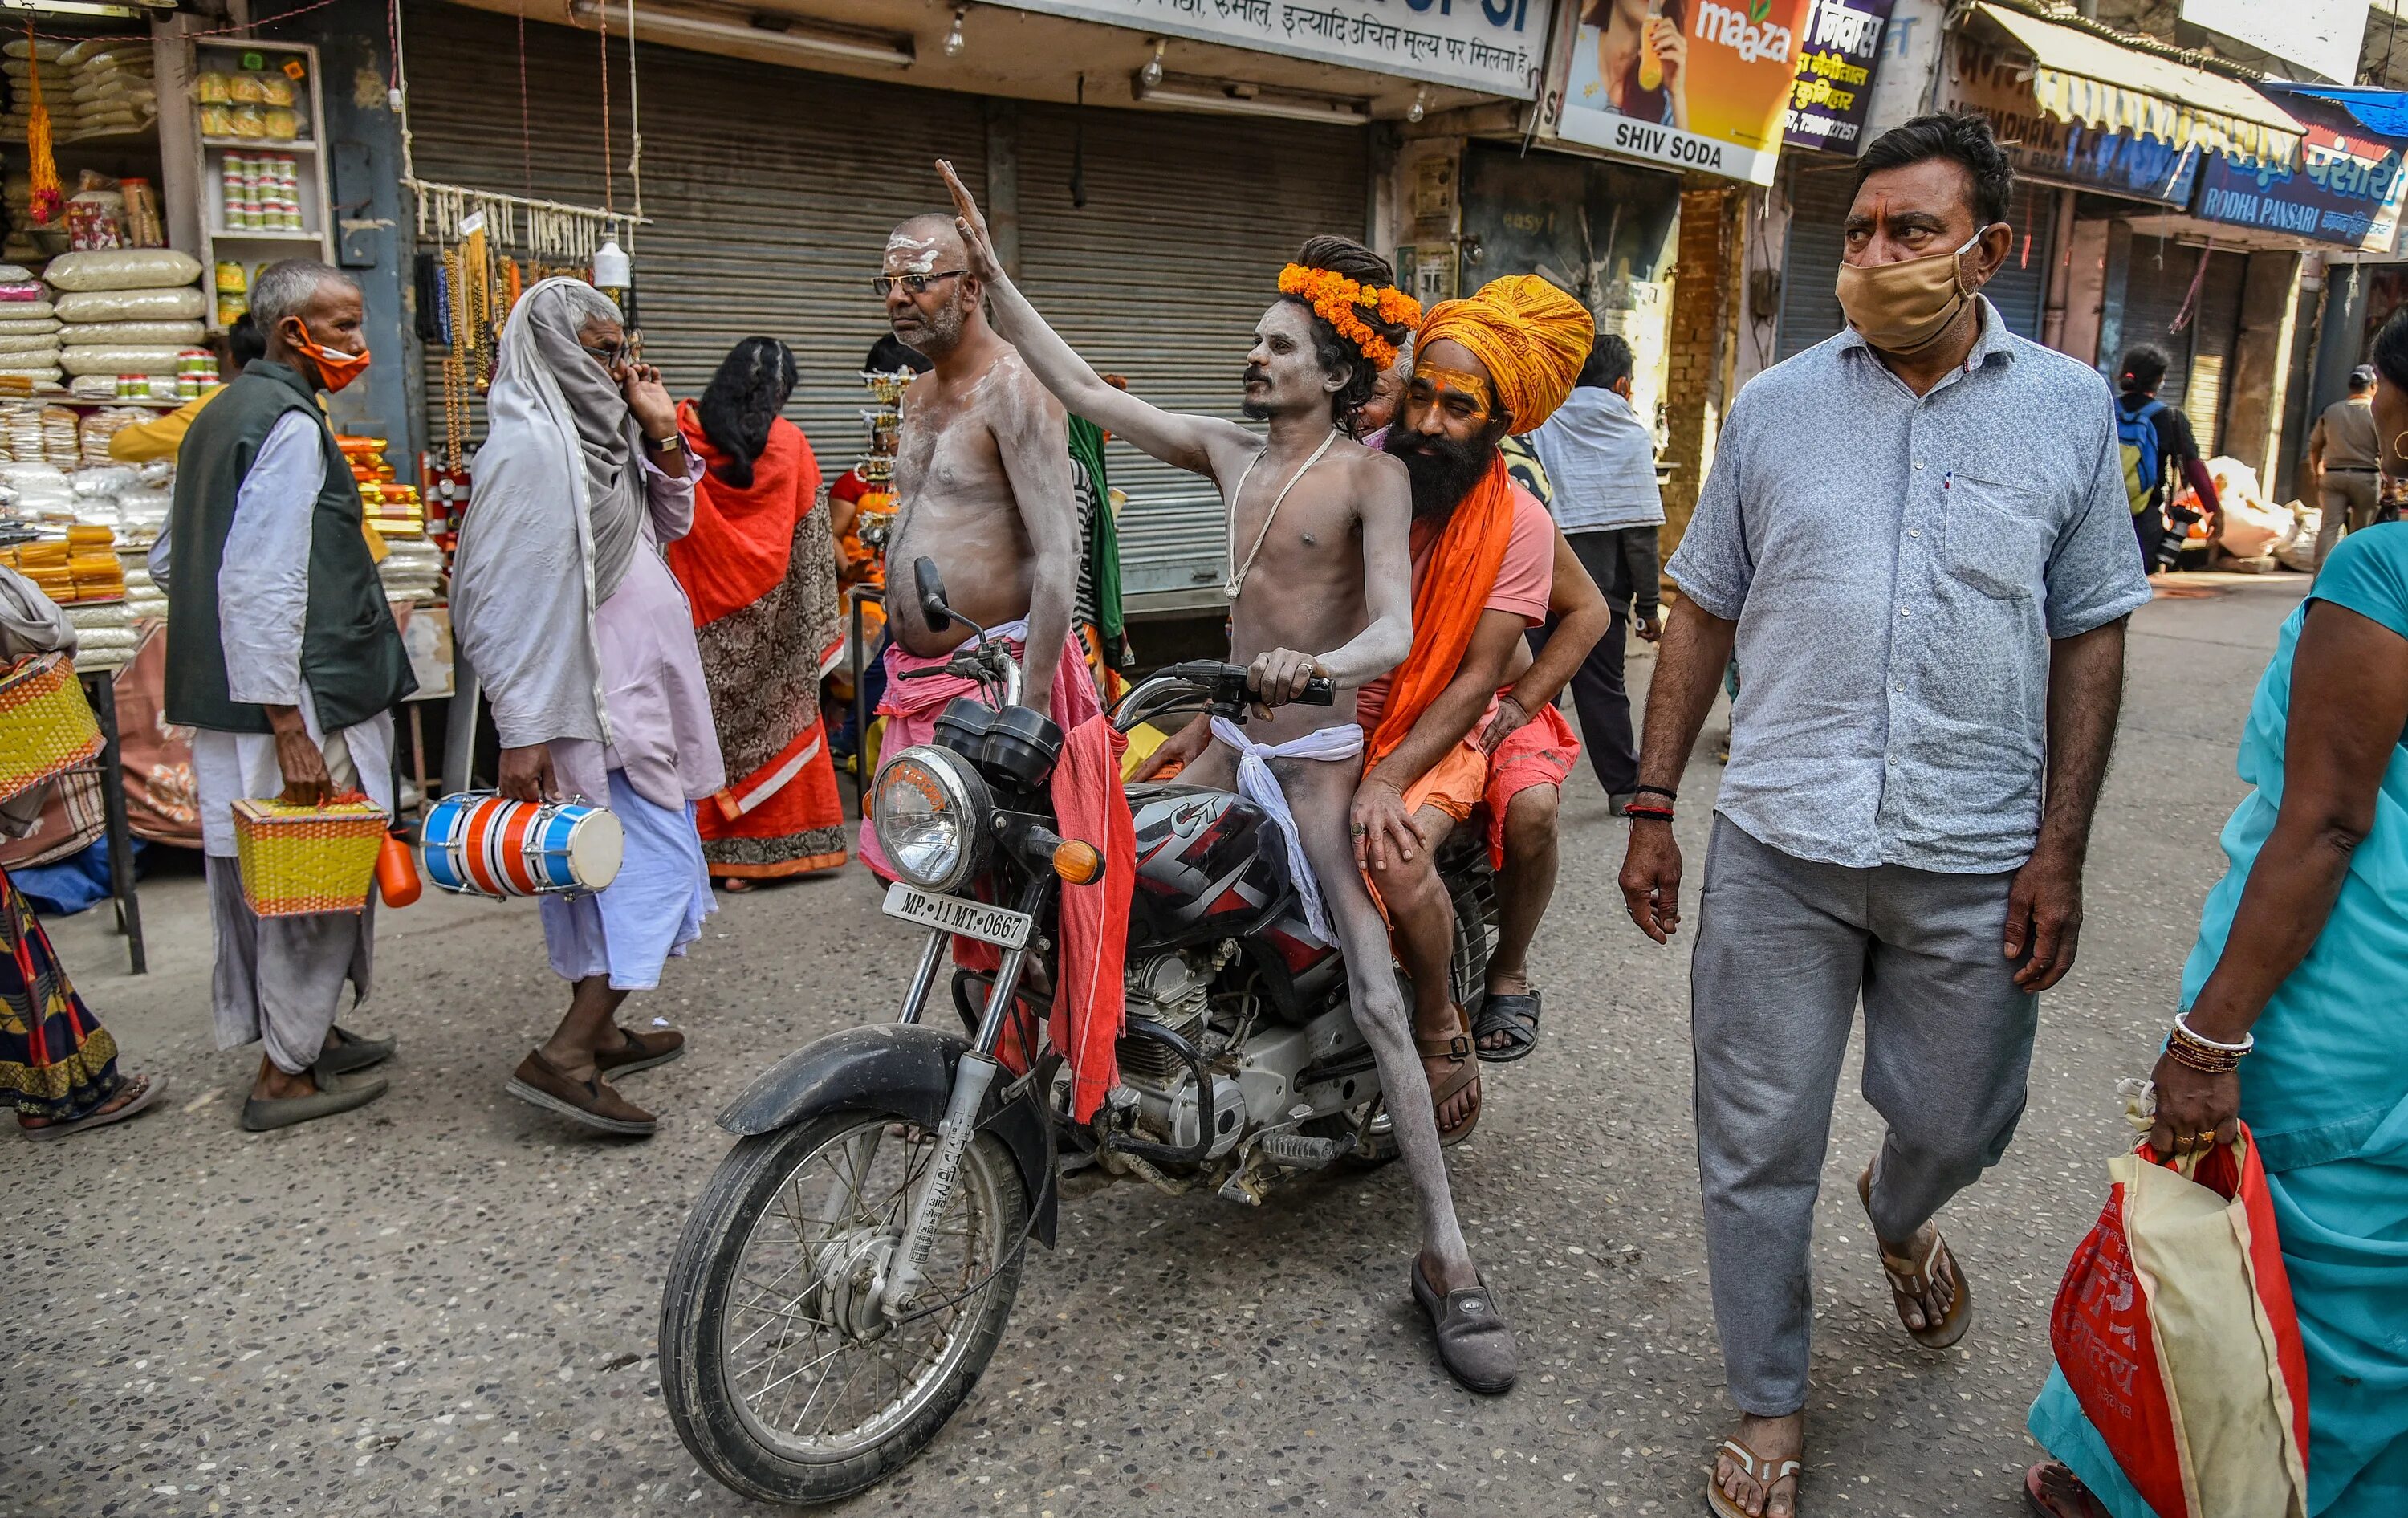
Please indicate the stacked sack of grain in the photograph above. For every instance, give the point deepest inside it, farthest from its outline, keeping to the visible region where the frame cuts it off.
(91, 88)
(412, 571)
(126, 311)
(29, 326)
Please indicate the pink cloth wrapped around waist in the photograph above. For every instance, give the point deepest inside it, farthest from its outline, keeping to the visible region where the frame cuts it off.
(911, 707)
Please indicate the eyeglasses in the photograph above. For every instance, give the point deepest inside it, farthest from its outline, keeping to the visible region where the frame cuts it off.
(916, 284)
(609, 357)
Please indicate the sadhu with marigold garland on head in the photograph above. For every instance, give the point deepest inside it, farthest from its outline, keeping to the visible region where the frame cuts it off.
(1320, 584)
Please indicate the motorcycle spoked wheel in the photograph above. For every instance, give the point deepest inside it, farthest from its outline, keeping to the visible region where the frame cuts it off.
(785, 1384)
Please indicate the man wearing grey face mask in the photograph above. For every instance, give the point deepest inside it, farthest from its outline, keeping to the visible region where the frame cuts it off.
(1933, 642)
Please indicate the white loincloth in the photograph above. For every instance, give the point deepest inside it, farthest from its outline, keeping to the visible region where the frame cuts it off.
(1257, 784)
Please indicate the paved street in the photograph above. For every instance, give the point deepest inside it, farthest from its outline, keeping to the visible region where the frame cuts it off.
(446, 1304)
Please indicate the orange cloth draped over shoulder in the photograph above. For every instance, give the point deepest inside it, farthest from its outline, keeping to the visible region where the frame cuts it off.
(1532, 338)
(737, 550)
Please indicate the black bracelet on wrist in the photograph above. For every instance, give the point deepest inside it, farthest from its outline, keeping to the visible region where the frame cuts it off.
(1648, 814)
(1657, 790)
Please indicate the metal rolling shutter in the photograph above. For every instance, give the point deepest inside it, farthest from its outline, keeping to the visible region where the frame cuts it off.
(771, 190)
(2020, 287)
(1161, 277)
(1810, 300)
(2156, 283)
(2215, 333)
(1818, 201)
(2199, 356)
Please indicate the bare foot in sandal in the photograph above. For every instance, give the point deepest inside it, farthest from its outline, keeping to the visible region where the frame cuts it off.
(1453, 1066)
(1756, 1471)
(1925, 1283)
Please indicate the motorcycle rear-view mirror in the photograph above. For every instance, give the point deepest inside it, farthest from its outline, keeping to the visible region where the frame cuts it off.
(931, 589)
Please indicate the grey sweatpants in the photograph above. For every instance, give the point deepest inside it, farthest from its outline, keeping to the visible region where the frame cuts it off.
(1785, 946)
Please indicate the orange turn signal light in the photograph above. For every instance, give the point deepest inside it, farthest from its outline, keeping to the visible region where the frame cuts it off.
(1079, 864)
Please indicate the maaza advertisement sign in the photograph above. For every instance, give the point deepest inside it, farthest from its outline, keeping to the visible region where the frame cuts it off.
(1701, 84)
(1492, 46)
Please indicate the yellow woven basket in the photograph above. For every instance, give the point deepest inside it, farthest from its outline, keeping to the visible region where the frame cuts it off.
(306, 859)
(46, 725)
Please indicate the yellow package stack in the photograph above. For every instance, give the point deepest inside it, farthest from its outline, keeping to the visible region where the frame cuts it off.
(46, 725)
(296, 860)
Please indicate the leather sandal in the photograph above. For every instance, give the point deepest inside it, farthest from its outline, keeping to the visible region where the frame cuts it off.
(540, 1082)
(1755, 1467)
(1474, 1341)
(1910, 1280)
(1465, 1076)
(641, 1051)
(1512, 1014)
(353, 1054)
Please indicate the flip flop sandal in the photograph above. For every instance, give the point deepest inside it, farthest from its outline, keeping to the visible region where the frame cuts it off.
(1513, 1014)
(641, 1051)
(52, 1132)
(1765, 1473)
(1465, 1074)
(1910, 1280)
(1475, 1344)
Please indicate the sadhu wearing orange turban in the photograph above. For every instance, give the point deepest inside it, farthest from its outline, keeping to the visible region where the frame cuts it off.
(1529, 340)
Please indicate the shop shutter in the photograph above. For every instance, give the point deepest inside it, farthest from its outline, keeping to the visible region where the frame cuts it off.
(1810, 301)
(2020, 287)
(1818, 201)
(1161, 276)
(2156, 286)
(2155, 282)
(2215, 332)
(770, 190)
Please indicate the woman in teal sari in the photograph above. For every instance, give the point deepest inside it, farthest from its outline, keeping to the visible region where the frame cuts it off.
(2318, 976)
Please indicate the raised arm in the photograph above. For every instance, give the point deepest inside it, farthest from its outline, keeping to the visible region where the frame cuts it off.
(1189, 442)
(1032, 435)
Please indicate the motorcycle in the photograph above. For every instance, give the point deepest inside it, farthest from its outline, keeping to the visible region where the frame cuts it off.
(847, 1274)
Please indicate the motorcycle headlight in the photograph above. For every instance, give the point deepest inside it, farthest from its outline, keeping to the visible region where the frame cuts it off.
(929, 812)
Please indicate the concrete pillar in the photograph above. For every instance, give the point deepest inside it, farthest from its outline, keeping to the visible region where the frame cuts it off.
(2261, 370)
(1002, 199)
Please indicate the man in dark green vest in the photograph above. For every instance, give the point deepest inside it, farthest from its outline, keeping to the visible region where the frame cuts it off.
(283, 653)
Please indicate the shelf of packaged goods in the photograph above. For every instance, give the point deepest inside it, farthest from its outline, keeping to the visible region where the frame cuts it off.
(264, 235)
(298, 145)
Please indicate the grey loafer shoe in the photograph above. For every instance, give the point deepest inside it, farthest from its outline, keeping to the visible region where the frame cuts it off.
(260, 1116)
(1474, 1341)
(353, 1054)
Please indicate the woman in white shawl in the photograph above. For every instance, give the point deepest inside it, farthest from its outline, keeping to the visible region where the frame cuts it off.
(584, 645)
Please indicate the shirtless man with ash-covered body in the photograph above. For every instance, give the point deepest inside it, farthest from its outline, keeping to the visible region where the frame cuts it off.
(983, 473)
(1321, 562)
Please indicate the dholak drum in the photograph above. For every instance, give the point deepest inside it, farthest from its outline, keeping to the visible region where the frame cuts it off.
(479, 843)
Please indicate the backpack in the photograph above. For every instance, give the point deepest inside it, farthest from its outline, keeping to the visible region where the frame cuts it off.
(2143, 466)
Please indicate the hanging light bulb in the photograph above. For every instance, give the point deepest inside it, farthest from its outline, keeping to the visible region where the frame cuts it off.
(1420, 106)
(1151, 72)
(954, 41)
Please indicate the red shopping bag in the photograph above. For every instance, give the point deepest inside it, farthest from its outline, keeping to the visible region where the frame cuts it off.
(2174, 1327)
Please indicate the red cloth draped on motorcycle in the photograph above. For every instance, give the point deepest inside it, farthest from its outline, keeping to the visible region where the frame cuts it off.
(758, 568)
(1089, 1000)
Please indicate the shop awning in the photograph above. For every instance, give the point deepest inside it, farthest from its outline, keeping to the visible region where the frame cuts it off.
(2383, 112)
(2089, 80)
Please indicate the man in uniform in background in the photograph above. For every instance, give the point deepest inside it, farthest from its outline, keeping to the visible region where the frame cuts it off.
(2346, 459)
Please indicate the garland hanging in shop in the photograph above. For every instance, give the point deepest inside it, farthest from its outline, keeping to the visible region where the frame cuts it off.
(47, 197)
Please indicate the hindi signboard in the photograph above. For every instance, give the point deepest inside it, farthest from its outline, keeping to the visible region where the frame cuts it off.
(1833, 91)
(1492, 46)
(2345, 189)
(1693, 83)
(1987, 80)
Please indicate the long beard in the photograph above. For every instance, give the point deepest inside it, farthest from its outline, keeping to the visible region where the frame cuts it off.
(1443, 470)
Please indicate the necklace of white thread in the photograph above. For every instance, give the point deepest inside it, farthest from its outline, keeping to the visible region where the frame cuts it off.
(1238, 572)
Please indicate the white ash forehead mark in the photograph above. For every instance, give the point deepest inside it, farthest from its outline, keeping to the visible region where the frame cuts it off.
(911, 255)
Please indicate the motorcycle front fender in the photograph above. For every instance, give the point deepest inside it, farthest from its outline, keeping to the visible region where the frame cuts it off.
(905, 1068)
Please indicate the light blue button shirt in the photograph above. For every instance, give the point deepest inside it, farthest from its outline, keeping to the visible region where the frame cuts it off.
(1600, 459)
(1898, 564)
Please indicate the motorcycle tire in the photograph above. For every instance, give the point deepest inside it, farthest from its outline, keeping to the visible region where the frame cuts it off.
(725, 1438)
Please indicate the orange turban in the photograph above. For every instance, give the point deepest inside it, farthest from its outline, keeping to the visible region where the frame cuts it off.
(1531, 337)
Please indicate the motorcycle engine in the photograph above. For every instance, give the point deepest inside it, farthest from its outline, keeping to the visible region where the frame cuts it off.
(1174, 988)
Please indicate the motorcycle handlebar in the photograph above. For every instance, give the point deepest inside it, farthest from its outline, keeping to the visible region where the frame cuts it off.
(1228, 683)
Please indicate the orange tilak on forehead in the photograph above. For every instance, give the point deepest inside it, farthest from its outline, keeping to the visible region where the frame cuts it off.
(1462, 382)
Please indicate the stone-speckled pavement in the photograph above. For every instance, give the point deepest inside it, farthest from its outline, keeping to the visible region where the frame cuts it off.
(445, 1303)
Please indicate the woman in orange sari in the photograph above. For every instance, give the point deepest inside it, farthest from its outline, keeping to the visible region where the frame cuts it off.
(760, 569)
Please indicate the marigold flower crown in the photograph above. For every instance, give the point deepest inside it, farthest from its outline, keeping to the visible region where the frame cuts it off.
(1341, 301)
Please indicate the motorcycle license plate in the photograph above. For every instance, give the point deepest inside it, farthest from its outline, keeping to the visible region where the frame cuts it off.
(956, 914)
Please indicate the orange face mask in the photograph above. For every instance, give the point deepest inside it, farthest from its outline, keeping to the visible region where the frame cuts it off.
(335, 368)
